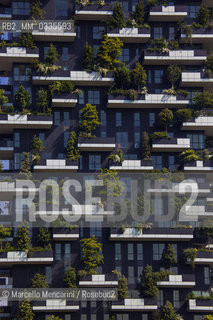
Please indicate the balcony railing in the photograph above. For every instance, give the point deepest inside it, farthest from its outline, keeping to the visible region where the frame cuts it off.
(101, 280)
(173, 144)
(202, 35)
(56, 164)
(97, 143)
(132, 165)
(204, 123)
(64, 100)
(185, 280)
(57, 305)
(55, 34)
(134, 305)
(91, 79)
(196, 56)
(20, 257)
(204, 257)
(60, 234)
(137, 35)
(168, 13)
(199, 166)
(201, 305)
(93, 12)
(199, 79)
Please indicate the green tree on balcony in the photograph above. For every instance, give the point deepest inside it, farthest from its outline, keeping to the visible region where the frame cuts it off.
(52, 54)
(22, 99)
(5, 232)
(44, 236)
(169, 257)
(118, 18)
(122, 76)
(203, 100)
(139, 76)
(91, 252)
(39, 281)
(26, 40)
(89, 120)
(203, 16)
(184, 114)
(88, 57)
(52, 317)
(148, 283)
(36, 11)
(23, 237)
(122, 285)
(72, 151)
(42, 100)
(138, 14)
(165, 118)
(113, 187)
(189, 155)
(173, 74)
(70, 278)
(145, 146)
(168, 312)
(25, 171)
(25, 311)
(109, 51)
(3, 98)
(37, 148)
(208, 317)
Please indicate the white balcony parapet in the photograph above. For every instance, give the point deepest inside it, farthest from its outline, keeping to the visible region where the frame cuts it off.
(193, 306)
(65, 236)
(66, 102)
(131, 165)
(150, 100)
(167, 13)
(198, 167)
(55, 164)
(16, 257)
(195, 79)
(90, 79)
(98, 281)
(131, 234)
(131, 35)
(133, 305)
(54, 35)
(182, 144)
(175, 56)
(18, 52)
(200, 123)
(93, 12)
(56, 305)
(176, 281)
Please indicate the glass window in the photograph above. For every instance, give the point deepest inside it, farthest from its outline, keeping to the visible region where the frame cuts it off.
(130, 251)
(139, 251)
(157, 250)
(42, 137)
(144, 317)
(18, 157)
(137, 140)
(95, 50)
(56, 118)
(122, 317)
(57, 251)
(66, 118)
(157, 162)
(196, 141)
(176, 302)
(140, 271)
(94, 97)
(131, 278)
(149, 76)
(117, 251)
(206, 275)
(61, 156)
(93, 316)
(66, 138)
(65, 54)
(124, 57)
(125, 6)
(103, 118)
(172, 163)
(61, 8)
(83, 317)
(98, 32)
(95, 229)
(151, 119)
(192, 11)
(160, 298)
(158, 74)
(48, 273)
(17, 139)
(118, 119)
(158, 206)
(78, 32)
(81, 97)
(136, 119)
(171, 33)
(67, 251)
(67, 317)
(157, 32)
(94, 162)
(20, 8)
(21, 73)
(122, 139)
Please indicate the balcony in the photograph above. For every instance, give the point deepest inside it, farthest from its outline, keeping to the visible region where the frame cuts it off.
(180, 57)
(65, 100)
(7, 190)
(131, 35)
(65, 234)
(200, 123)
(173, 281)
(56, 165)
(203, 36)
(153, 234)
(83, 78)
(132, 165)
(101, 280)
(168, 13)
(93, 12)
(5, 13)
(10, 122)
(96, 144)
(55, 34)
(199, 166)
(171, 145)
(136, 305)
(20, 257)
(201, 188)
(6, 150)
(18, 54)
(203, 305)
(6, 282)
(55, 305)
(195, 79)
(147, 101)
(204, 257)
